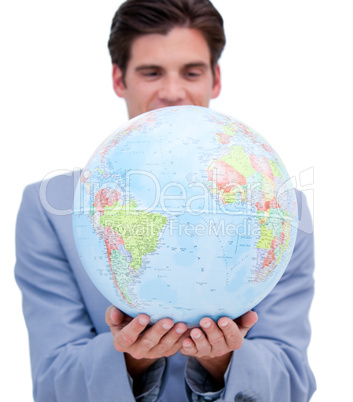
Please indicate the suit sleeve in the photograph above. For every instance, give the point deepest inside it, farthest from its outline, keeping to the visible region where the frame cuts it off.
(69, 360)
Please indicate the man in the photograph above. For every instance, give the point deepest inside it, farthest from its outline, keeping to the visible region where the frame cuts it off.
(164, 53)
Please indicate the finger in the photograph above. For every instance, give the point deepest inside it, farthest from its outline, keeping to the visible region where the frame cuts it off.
(113, 316)
(172, 340)
(188, 347)
(129, 334)
(246, 321)
(202, 344)
(214, 335)
(231, 333)
(151, 338)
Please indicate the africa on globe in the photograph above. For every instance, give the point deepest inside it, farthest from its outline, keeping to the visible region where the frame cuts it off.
(184, 212)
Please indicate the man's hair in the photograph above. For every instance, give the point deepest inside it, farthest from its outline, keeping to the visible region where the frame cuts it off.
(136, 18)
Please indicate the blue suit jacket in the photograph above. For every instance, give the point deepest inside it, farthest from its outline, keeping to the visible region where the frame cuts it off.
(72, 353)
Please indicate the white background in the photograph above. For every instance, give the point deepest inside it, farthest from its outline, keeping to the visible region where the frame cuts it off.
(287, 72)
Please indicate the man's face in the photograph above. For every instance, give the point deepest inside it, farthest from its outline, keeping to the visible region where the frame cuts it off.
(167, 70)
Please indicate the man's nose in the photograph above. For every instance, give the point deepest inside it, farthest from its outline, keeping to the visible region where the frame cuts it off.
(172, 89)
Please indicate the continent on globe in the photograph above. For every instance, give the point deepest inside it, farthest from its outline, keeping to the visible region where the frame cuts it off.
(185, 212)
(128, 235)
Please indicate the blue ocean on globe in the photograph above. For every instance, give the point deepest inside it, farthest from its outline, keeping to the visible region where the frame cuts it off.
(185, 212)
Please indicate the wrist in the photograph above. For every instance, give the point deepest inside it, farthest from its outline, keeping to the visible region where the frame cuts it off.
(136, 367)
(216, 367)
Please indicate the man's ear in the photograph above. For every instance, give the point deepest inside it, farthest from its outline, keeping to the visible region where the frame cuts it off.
(216, 83)
(118, 82)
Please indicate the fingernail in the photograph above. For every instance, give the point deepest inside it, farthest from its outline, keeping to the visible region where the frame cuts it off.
(180, 330)
(143, 320)
(223, 323)
(197, 335)
(167, 326)
(207, 324)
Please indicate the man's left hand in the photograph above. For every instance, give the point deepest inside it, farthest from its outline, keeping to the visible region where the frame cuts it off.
(213, 344)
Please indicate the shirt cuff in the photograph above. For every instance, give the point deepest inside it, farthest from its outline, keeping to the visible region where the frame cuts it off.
(201, 382)
(147, 387)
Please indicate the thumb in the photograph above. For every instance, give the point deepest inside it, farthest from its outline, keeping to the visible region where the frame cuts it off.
(246, 321)
(113, 316)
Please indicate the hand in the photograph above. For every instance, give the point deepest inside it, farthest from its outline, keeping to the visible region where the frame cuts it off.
(213, 346)
(143, 346)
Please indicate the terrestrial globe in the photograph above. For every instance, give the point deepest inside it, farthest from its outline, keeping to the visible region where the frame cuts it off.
(185, 212)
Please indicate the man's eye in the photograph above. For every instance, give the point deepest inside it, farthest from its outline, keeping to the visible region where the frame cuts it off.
(192, 74)
(150, 73)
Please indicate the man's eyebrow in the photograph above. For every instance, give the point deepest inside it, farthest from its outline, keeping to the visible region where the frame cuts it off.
(147, 67)
(198, 64)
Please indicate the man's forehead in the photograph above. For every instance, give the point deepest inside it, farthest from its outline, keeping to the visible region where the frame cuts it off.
(183, 45)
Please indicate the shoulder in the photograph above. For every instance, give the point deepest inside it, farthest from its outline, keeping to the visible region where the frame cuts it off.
(54, 195)
(302, 261)
(304, 215)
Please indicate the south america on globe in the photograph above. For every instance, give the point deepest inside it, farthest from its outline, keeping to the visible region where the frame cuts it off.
(184, 212)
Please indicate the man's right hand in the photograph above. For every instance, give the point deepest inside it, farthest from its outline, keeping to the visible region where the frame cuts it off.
(143, 346)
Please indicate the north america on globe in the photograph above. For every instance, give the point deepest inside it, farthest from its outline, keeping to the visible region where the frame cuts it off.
(185, 212)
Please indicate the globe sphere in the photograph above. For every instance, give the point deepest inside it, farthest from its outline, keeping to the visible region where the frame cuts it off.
(184, 212)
